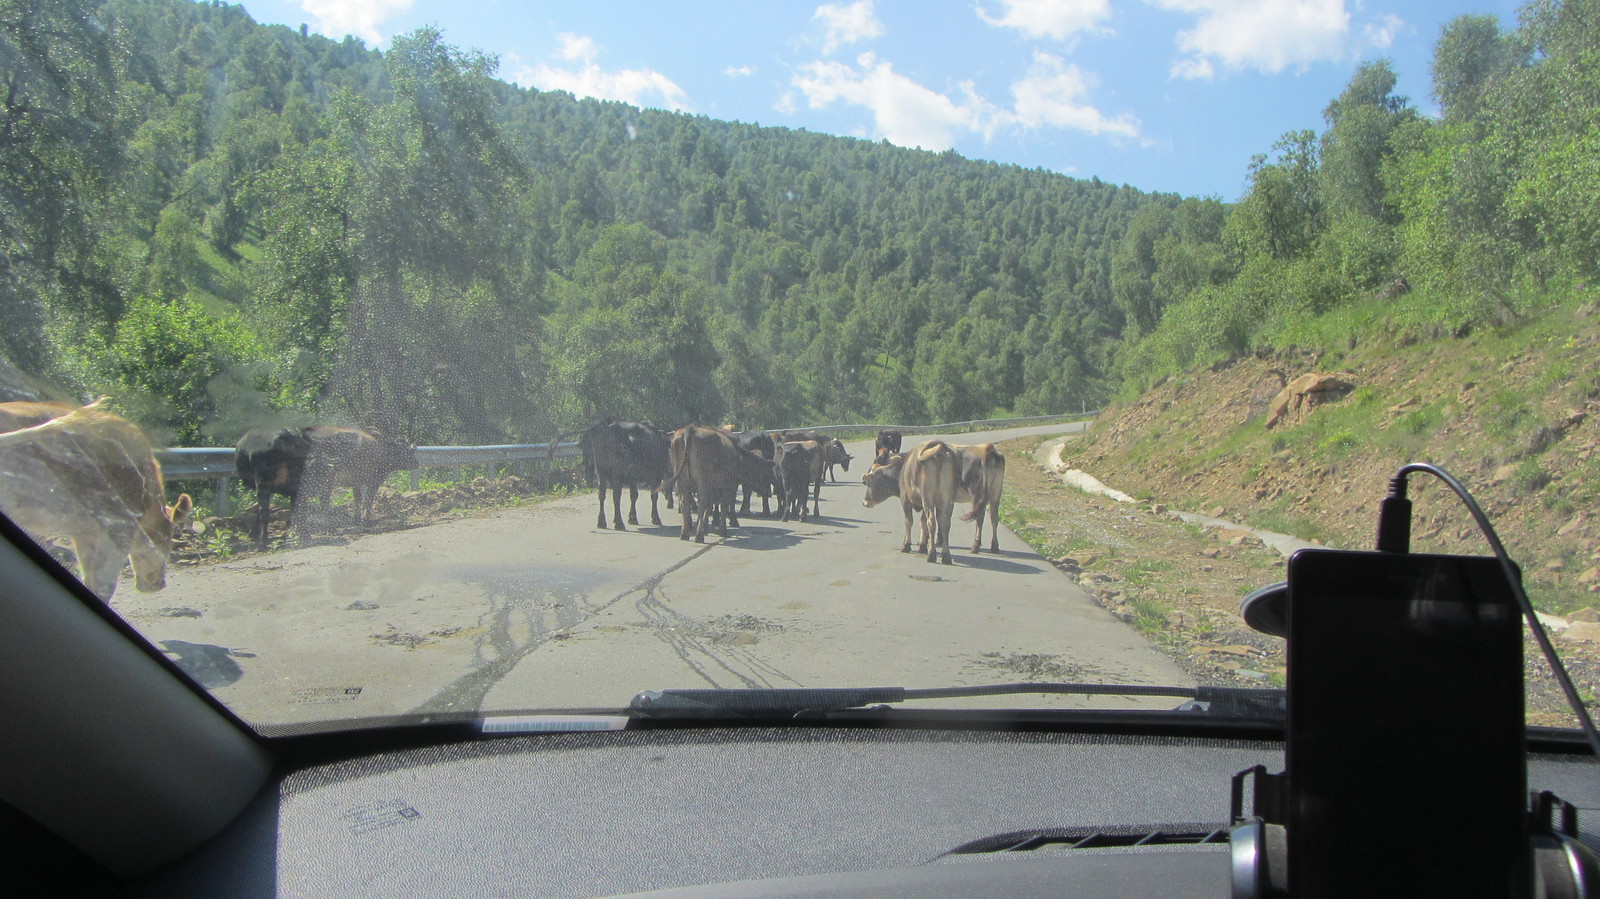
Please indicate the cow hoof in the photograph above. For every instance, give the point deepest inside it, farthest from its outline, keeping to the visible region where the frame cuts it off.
(633, 520)
(655, 521)
(699, 539)
(621, 527)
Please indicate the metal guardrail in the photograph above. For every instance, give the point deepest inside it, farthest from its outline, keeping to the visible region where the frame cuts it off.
(218, 462)
(947, 426)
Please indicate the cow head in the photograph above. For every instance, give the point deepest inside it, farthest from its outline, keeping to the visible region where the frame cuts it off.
(883, 481)
(149, 552)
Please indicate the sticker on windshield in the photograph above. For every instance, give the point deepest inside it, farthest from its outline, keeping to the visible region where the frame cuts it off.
(552, 724)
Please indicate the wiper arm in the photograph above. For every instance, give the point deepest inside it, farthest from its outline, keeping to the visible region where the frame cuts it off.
(1246, 701)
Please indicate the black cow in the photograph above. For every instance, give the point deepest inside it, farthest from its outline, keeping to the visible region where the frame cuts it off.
(271, 461)
(888, 439)
(833, 450)
(797, 464)
(761, 444)
(631, 454)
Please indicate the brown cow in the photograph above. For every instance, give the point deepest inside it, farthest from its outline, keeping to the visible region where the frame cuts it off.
(90, 477)
(926, 481)
(705, 464)
(981, 470)
(980, 477)
(350, 457)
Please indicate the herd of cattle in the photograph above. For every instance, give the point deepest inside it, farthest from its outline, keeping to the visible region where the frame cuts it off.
(705, 468)
(90, 478)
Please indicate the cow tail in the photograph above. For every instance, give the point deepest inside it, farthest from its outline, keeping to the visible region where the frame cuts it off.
(972, 479)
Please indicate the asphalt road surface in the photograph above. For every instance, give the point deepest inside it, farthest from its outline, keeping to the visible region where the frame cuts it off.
(536, 608)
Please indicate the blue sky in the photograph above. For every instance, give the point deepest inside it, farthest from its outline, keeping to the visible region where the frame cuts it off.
(1165, 95)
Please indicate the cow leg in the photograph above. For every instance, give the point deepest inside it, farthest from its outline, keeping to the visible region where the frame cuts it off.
(601, 524)
(683, 506)
(942, 521)
(905, 506)
(633, 505)
(100, 561)
(264, 513)
(977, 538)
(655, 514)
(816, 496)
(616, 507)
(994, 526)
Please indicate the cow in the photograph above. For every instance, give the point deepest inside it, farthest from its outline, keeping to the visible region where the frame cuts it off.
(704, 466)
(925, 479)
(837, 456)
(761, 443)
(361, 459)
(888, 439)
(631, 454)
(796, 463)
(835, 452)
(980, 478)
(90, 477)
(818, 456)
(271, 461)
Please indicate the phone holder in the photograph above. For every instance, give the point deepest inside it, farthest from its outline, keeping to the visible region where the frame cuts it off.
(1399, 808)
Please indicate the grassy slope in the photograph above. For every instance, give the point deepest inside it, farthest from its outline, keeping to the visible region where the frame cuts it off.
(1506, 410)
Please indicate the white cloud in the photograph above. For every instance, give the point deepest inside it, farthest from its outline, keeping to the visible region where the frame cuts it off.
(639, 87)
(337, 18)
(1053, 95)
(847, 24)
(739, 71)
(905, 112)
(1381, 34)
(1057, 19)
(1265, 35)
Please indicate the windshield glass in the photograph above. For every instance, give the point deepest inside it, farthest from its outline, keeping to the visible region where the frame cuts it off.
(402, 359)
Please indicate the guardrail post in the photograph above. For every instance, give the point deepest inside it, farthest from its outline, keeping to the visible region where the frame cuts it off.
(222, 498)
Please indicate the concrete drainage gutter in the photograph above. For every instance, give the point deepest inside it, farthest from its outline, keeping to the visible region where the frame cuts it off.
(1048, 455)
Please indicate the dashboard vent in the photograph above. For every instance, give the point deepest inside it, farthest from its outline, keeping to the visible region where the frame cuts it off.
(1120, 836)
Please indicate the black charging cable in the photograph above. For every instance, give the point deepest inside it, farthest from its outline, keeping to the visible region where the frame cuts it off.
(1394, 535)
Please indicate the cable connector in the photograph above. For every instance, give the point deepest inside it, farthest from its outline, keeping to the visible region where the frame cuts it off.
(1394, 518)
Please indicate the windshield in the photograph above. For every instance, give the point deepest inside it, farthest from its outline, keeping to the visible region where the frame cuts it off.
(398, 360)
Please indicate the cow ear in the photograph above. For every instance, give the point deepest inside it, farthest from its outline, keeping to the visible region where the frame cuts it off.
(181, 509)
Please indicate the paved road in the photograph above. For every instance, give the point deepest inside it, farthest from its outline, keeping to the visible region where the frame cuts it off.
(536, 608)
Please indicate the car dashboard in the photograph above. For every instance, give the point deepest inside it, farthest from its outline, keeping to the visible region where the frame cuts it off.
(760, 811)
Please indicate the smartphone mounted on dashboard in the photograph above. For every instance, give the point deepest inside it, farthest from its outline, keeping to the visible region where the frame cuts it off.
(1406, 755)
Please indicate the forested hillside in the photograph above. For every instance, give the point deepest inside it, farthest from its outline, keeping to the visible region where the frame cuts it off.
(218, 223)
(1392, 224)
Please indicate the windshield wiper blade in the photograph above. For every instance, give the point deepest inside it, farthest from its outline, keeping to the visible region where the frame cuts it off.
(1246, 701)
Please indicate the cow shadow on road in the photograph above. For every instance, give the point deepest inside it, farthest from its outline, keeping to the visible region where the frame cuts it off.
(989, 562)
(210, 666)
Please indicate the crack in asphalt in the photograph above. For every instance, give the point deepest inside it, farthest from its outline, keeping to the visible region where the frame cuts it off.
(498, 649)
